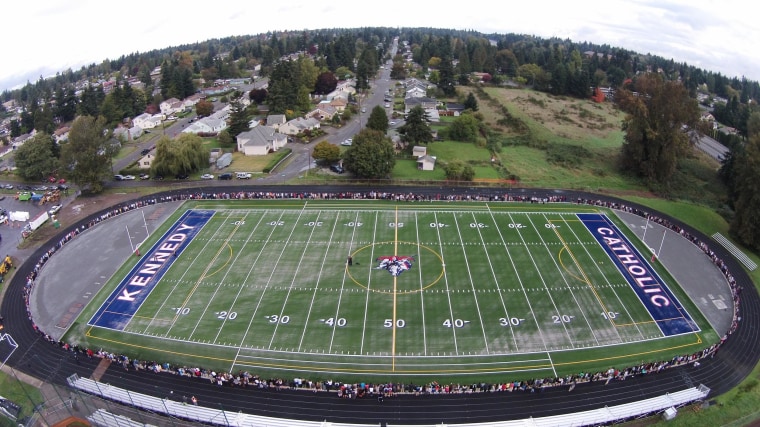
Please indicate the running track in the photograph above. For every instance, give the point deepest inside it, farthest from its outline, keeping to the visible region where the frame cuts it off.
(735, 360)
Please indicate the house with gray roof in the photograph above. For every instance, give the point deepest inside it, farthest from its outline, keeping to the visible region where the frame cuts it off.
(260, 141)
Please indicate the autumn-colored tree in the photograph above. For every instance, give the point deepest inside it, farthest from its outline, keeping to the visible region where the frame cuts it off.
(658, 112)
(204, 108)
(325, 153)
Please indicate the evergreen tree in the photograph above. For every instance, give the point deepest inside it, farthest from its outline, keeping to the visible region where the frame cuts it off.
(239, 121)
(378, 120)
(416, 129)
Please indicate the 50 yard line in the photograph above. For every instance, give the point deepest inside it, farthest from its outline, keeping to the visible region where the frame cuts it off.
(395, 253)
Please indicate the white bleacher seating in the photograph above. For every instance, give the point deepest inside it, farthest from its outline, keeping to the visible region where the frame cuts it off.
(607, 414)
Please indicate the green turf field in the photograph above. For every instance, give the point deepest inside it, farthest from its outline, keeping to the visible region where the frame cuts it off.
(488, 289)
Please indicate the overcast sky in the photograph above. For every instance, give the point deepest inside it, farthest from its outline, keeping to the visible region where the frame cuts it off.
(42, 37)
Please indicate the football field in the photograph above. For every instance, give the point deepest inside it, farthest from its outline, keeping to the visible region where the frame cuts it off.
(385, 289)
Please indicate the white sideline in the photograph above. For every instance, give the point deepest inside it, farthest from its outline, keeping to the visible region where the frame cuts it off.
(607, 414)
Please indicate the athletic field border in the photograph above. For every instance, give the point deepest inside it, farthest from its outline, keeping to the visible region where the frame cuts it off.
(737, 357)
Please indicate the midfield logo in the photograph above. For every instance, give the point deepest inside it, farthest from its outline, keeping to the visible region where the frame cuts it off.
(394, 264)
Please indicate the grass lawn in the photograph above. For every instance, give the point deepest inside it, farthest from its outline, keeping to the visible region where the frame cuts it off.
(407, 170)
(243, 163)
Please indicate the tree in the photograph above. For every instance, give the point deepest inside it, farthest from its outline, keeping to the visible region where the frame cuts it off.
(238, 122)
(458, 171)
(371, 155)
(226, 139)
(326, 83)
(416, 129)
(471, 103)
(204, 108)
(326, 153)
(465, 128)
(654, 126)
(746, 222)
(36, 159)
(182, 155)
(258, 96)
(86, 157)
(378, 119)
(446, 77)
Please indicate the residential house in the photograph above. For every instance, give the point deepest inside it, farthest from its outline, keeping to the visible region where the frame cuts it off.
(338, 103)
(206, 125)
(422, 101)
(415, 92)
(419, 151)
(190, 101)
(124, 134)
(145, 161)
(260, 140)
(454, 108)
(147, 121)
(322, 112)
(276, 120)
(61, 134)
(299, 125)
(426, 163)
(171, 106)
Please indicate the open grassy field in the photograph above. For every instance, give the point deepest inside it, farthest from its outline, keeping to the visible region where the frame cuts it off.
(475, 291)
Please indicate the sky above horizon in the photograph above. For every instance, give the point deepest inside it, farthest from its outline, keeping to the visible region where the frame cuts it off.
(47, 36)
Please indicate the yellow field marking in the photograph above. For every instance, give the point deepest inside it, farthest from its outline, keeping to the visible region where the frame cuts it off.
(208, 266)
(413, 291)
(585, 279)
(223, 265)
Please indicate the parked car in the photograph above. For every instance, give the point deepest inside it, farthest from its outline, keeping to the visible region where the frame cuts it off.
(54, 209)
(207, 176)
(129, 177)
(144, 176)
(392, 123)
(118, 177)
(225, 176)
(337, 168)
(145, 152)
(347, 142)
(243, 175)
(182, 176)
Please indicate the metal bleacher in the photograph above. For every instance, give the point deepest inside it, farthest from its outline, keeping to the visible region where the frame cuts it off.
(736, 252)
(103, 418)
(607, 414)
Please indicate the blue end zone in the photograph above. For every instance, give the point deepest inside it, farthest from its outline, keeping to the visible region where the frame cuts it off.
(125, 300)
(662, 305)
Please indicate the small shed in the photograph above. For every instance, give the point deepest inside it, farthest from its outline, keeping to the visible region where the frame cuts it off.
(419, 151)
(426, 163)
(224, 160)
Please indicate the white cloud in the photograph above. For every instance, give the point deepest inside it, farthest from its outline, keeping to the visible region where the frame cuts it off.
(52, 35)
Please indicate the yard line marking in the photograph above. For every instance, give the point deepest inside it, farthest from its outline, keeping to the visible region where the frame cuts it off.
(343, 284)
(395, 253)
(369, 289)
(551, 362)
(422, 284)
(496, 281)
(564, 279)
(242, 285)
(296, 223)
(176, 285)
(541, 276)
(472, 284)
(201, 277)
(446, 281)
(519, 279)
(319, 276)
(606, 279)
(261, 297)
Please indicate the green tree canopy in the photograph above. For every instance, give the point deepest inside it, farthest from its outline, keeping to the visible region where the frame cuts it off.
(416, 129)
(458, 171)
(239, 121)
(371, 155)
(464, 128)
(654, 126)
(36, 159)
(471, 103)
(182, 155)
(378, 119)
(325, 153)
(745, 225)
(86, 157)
